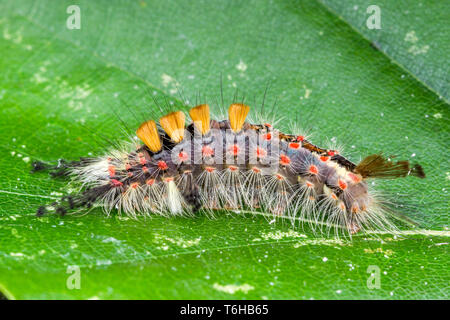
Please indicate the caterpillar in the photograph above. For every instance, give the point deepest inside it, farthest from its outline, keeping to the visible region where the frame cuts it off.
(178, 169)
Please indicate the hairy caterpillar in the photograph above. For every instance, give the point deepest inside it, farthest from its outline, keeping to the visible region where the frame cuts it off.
(229, 165)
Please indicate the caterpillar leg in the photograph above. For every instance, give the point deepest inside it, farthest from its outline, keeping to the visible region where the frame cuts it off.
(60, 169)
(69, 202)
(353, 228)
(59, 207)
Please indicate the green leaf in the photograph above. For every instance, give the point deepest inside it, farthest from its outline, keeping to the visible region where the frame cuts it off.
(412, 33)
(56, 83)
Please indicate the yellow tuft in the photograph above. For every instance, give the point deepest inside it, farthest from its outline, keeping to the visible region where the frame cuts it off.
(237, 114)
(148, 133)
(173, 125)
(200, 117)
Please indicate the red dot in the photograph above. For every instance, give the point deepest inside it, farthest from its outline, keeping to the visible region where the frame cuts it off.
(162, 165)
(207, 151)
(233, 168)
(284, 160)
(331, 153)
(300, 138)
(324, 158)
(116, 183)
(267, 136)
(260, 152)
(210, 169)
(234, 150)
(134, 185)
(342, 184)
(294, 145)
(127, 166)
(150, 182)
(112, 171)
(355, 178)
(313, 169)
(142, 161)
(256, 170)
(183, 156)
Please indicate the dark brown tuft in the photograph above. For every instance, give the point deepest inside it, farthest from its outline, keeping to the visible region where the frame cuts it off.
(417, 171)
(376, 166)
